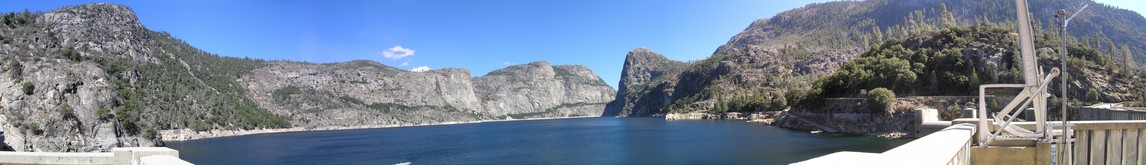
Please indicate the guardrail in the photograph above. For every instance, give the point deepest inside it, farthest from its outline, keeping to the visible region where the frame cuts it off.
(1110, 114)
(117, 156)
(1109, 142)
(952, 145)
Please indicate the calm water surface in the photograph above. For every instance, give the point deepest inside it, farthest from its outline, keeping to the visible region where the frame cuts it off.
(566, 141)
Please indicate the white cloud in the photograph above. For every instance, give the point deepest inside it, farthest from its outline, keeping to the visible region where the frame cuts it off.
(420, 69)
(507, 63)
(397, 52)
(405, 63)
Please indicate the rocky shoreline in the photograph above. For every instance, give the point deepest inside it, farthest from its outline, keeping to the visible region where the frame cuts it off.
(188, 134)
(767, 117)
(887, 126)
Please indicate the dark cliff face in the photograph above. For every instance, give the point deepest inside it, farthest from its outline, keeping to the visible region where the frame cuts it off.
(643, 65)
(636, 91)
(91, 77)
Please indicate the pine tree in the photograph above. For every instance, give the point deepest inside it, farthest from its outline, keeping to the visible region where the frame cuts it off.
(1129, 57)
(1086, 41)
(948, 19)
(1037, 24)
(919, 18)
(985, 21)
(974, 82)
(878, 34)
(902, 33)
(1110, 48)
(911, 24)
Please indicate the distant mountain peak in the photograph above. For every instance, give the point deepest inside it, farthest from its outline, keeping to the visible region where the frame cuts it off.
(643, 65)
(107, 15)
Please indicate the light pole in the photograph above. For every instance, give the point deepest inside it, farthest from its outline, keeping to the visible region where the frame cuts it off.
(1063, 101)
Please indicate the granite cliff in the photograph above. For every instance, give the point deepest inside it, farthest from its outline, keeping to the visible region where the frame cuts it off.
(91, 77)
(637, 87)
(360, 93)
(51, 94)
(573, 90)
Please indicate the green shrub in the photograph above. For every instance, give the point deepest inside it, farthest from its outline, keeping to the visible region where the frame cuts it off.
(127, 118)
(992, 104)
(283, 94)
(952, 112)
(779, 103)
(103, 114)
(1091, 95)
(880, 100)
(16, 68)
(28, 88)
(1054, 104)
(35, 128)
(805, 98)
(71, 54)
(67, 113)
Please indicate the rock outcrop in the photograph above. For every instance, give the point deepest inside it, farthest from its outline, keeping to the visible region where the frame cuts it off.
(361, 93)
(643, 66)
(540, 90)
(369, 93)
(49, 102)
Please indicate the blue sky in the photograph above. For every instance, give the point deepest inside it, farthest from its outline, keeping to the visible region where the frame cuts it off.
(477, 35)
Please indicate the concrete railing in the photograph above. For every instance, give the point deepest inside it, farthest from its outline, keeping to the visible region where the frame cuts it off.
(952, 145)
(1109, 142)
(118, 156)
(1088, 113)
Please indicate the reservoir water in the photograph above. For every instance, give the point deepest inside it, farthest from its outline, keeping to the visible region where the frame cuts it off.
(603, 140)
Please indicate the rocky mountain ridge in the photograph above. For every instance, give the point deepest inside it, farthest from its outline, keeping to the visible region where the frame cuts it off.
(759, 68)
(91, 77)
(369, 93)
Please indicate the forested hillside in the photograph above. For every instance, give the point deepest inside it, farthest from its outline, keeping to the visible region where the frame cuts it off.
(776, 61)
(93, 75)
(956, 60)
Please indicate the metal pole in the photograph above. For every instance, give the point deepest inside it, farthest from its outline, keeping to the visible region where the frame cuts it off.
(1066, 132)
(1063, 100)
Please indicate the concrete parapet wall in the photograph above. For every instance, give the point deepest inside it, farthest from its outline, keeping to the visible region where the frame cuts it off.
(1004, 155)
(132, 155)
(1110, 114)
(951, 145)
(118, 156)
(162, 160)
(54, 158)
(1109, 142)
